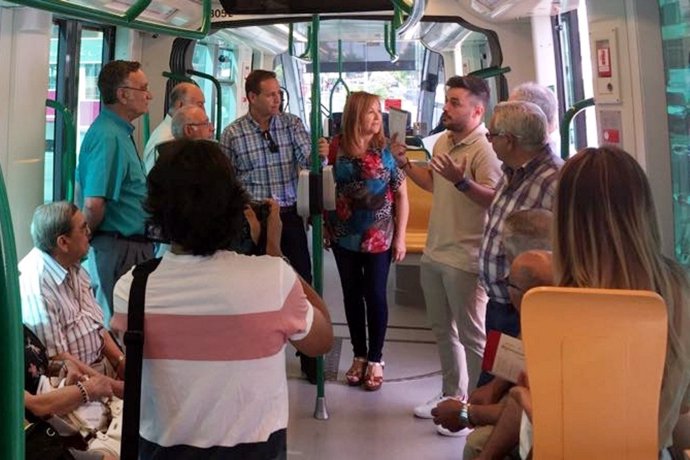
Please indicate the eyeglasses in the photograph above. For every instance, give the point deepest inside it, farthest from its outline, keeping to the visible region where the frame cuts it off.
(272, 146)
(143, 90)
(491, 136)
(514, 286)
(207, 124)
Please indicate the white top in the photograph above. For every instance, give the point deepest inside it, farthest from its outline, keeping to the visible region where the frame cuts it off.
(59, 307)
(215, 335)
(162, 133)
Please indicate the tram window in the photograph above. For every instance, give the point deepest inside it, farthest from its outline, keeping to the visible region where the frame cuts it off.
(675, 18)
(77, 53)
(219, 61)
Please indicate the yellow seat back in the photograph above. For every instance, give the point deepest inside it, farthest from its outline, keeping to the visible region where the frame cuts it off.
(595, 360)
(420, 209)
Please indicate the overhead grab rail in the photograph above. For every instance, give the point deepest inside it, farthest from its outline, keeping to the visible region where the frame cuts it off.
(307, 55)
(127, 19)
(69, 155)
(565, 124)
(413, 19)
(338, 82)
(11, 338)
(390, 33)
(489, 72)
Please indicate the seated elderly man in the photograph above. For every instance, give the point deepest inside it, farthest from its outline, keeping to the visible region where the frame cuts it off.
(58, 304)
(529, 269)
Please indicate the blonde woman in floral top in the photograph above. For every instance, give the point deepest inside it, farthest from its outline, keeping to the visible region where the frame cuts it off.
(367, 229)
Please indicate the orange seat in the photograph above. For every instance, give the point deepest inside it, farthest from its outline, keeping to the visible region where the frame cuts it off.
(595, 361)
(420, 208)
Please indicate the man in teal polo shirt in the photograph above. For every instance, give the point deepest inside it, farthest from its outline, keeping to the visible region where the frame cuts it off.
(112, 182)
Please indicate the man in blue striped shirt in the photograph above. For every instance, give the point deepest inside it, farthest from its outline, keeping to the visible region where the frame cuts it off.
(268, 148)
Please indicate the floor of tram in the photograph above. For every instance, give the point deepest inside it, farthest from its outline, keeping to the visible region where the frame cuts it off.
(370, 425)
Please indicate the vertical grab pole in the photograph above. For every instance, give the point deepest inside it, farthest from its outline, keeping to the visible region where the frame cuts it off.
(12, 362)
(320, 411)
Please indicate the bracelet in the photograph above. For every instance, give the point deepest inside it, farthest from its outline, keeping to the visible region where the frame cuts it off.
(84, 393)
(465, 415)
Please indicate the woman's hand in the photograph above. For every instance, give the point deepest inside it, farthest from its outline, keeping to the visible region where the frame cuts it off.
(74, 374)
(254, 224)
(274, 230)
(399, 248)
(324, 147)
(398, 150)
(98, 387)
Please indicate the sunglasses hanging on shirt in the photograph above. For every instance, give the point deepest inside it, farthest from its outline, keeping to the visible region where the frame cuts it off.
(272, 146)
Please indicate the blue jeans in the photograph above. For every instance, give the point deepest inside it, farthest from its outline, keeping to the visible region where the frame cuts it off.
(502, 317)
(363, 277)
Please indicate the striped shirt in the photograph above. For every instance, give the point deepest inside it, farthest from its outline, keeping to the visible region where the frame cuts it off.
(214, 351)
(266, 174)
(59, 307)
(532, 185)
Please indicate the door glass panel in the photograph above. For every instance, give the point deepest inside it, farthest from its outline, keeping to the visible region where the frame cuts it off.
(675, 20)
(49, 165)
(90, 63)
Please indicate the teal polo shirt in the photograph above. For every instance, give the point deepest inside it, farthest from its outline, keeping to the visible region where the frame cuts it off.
(110, 168)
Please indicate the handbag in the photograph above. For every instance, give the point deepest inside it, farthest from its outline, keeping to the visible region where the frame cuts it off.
(134, 346)
(44, 443)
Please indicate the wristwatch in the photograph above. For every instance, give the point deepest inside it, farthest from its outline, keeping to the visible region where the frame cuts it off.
(465, 415)
(463, 184)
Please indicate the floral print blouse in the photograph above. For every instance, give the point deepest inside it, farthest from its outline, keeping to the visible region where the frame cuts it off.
(364, 219)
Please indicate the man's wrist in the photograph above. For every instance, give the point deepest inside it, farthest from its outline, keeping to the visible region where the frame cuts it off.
(462, 185)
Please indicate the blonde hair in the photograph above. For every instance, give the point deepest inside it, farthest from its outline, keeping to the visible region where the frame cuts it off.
(606, 236)
(356, 107)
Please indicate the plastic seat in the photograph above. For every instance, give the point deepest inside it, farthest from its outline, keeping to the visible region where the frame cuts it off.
(420, 208)
(595, 362)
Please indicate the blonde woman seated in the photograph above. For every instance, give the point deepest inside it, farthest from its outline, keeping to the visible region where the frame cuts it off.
(606, 236)
(367, 229)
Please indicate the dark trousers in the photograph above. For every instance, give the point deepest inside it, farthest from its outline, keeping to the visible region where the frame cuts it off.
(502, 317)
(293, 243)
(363, 277)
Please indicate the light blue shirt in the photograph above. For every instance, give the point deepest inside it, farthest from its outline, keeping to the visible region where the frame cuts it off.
(110, 168)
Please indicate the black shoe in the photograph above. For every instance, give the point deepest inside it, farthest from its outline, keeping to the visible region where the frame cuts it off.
(308, 366)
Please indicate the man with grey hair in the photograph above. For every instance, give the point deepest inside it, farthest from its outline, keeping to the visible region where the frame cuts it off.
(518, 134)
(57, 302)
(182, 95)
(527, 229)
(543, 97)
(191, 122)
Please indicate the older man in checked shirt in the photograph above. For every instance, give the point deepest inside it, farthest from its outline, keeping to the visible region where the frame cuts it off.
(267, 149)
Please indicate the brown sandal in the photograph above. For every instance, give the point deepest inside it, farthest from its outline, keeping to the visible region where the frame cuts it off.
(373, 380)
(355, 375)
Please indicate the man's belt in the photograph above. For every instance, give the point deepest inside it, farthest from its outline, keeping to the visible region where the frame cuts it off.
(288, 209)
(120, 236)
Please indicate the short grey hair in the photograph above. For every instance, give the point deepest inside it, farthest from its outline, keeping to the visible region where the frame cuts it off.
(524, 120)
(541, 96)
(51, 220)
(179, 93)
(527, 230)
(533, 269)
(182, 117)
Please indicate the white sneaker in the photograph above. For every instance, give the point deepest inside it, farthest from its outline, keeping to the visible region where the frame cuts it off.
(424, 410)
(446, 432)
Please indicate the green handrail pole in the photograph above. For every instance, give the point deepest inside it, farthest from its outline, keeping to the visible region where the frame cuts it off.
(291, 39)
(101, 16)
(178, 77)
(402, 6)
(489, 72)
(69, 153)
(11, 339)
(565, 124)
(339, 81)
(320, 411)
(307, 47)
(136, 9)
(219, 99)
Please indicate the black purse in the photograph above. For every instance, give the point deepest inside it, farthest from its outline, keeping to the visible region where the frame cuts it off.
(44, 443)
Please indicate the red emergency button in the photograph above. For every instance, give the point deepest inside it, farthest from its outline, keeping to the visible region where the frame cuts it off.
(612, 136)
